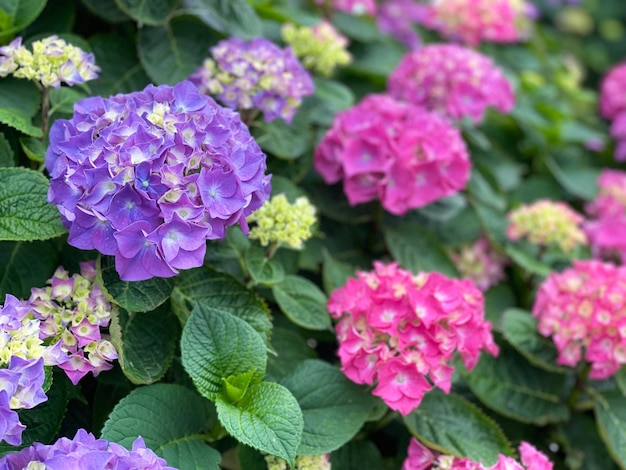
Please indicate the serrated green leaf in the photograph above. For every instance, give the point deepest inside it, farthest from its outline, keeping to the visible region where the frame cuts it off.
(452, 425)
(25, 213)
(172, 52)
(584, 448)
(302, 302)
(236, 386)
(610, 411)
(512, 386)
(357, 455)
(285, 141)
(263, 270)
(62, 100)
(520, 329)
(148, 12)
(16, 119)
(268, 418)
(528, 262)
(140, 296)
(24, 265)
(417, 249)
(219, 290)
(333, 407)
(231, 17)
(146, 342)
(291, 349)
(170, 419)
(7, 157)
(34, 149)
(17, 15)
(217, 345)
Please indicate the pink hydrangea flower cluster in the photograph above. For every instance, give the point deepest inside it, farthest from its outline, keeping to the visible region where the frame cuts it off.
(546, 222)
(400, 331)
(583, 308)
(476, 21)
(607, 228)
(71, 311)
(613, 106)
(353, 7)
(422, 458)
(395, 152)
(480, 263)
(452, 80)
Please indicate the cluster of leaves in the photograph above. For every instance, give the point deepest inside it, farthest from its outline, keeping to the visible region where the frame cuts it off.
(237, 358)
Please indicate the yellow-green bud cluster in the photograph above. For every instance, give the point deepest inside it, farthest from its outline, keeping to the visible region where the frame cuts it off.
(278, 221)
(547, 223)
(320, 48)
(303, 462)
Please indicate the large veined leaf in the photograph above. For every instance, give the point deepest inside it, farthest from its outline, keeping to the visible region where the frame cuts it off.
(610, 410)
(302, 302)
(148, 12)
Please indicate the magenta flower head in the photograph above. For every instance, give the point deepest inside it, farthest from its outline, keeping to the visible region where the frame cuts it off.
(581, 309)
(613, 106)
(84, 451)
(255, 74)
(476, 21)
(395, 152)
(452, 80)
(400, 331)
(149, 176)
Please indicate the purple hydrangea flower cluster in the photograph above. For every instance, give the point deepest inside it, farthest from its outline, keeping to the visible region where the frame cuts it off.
(149, 176)
(71, 311)
(255, 74)
(84, 451)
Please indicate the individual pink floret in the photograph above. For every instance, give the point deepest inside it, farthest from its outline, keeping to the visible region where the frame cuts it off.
(476, 21)
(395, 152)
(400, 331)
(421, 457)
(452, 80)
(582, 309)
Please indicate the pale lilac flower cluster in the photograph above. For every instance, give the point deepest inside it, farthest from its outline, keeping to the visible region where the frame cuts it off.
(421, 457)
(607, 227)
(149, 176)
(72, 311)
(396, 152)
(452, 80)
(84, 451)
(613, 106)
(480, 263)
(51, 62)
(397, 18)
(255, 74)
(402, 330)
(583, 309)
(476, 21)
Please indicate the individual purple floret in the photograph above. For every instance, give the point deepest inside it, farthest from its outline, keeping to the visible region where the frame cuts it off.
(149, 176)
(84, 452)
(255, 74)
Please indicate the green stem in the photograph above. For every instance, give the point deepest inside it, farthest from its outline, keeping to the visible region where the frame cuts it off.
(579, 386)
(45, 111)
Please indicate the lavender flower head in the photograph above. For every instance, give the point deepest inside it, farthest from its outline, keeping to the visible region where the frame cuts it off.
(84, 451)
(149, 176)
(51, 62)
(255, 74)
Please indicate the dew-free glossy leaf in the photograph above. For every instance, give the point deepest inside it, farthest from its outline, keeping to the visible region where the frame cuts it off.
(610, 411)
(147, 12)
(302, 302)
(24, 265)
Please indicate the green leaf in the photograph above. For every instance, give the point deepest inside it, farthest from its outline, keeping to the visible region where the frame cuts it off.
(235, 387)
(578, 181)
(170, 419)
(24, 265)
(267, 418)
(56, 16)
(34, 149)
(479, 187)
(20, 94)
(62, 100)
(231, 17)
(138, 296)
(513, 387)
(520, 329)
(527, 261)
(107, 10)
(291, 349)
(219, 290)
(16, 119)
(15, 15)
(333, 407)
(453, 425)
(584, 447)
(357, 455)
(7, 157)
(330, 97)
(25, 213)
(217, 345)
(172, 52)
(285, 141)
(497, 300)
(302, 302)
(334, 273)
(610, 411)
(145, 342)
(121, 70)
(417, 249)
(620, 379)
(263, 270)
(148, 12)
